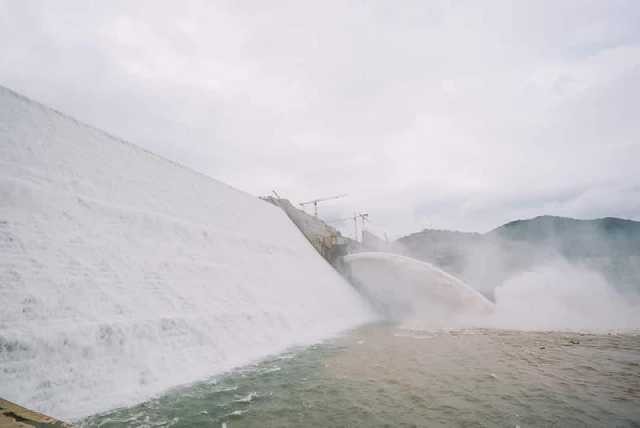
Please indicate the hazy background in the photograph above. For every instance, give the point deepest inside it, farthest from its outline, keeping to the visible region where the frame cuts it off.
(459, 115)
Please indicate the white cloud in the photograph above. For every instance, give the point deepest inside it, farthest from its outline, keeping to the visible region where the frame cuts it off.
(458, 115)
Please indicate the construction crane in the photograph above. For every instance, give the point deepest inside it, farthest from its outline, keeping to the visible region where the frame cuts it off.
(363, 218)
(314, 202)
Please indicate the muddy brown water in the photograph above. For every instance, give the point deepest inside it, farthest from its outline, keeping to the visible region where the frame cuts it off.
(387, 376)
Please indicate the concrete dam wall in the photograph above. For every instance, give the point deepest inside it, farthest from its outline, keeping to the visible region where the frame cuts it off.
(123, 274)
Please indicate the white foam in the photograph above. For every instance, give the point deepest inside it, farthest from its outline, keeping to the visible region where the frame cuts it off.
(555, 296)
(564, 296)
(123, 274)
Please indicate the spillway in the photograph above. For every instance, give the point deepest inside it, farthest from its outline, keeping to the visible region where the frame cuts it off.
(403, 288)
(123, 274)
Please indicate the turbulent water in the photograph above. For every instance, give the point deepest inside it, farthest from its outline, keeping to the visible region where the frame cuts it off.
(385, 375)
(403, 288)
(123, 274)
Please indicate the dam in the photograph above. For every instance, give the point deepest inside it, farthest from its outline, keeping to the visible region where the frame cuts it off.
(123, 274)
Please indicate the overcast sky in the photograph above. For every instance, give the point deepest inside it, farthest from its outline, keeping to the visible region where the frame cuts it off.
(453, 115)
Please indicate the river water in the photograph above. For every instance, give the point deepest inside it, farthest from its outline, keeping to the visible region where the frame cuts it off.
(388, 376)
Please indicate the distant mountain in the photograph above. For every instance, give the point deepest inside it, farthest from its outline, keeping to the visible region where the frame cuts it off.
(576, 238)
(608, 245)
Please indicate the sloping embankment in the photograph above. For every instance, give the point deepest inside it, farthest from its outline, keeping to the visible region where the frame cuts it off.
(14, 416)
(123, 274)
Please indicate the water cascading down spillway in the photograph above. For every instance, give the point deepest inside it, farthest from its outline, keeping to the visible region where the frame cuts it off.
(402, 288)
(123, 274)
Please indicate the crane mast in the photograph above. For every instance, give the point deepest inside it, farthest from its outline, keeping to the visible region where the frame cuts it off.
(364, 217)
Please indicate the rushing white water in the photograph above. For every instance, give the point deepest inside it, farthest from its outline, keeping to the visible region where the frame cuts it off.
(564, 296)
(405, 289)
(557, 296)
(123, 274)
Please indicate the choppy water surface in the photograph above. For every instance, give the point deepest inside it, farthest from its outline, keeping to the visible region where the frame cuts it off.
(385, 375)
